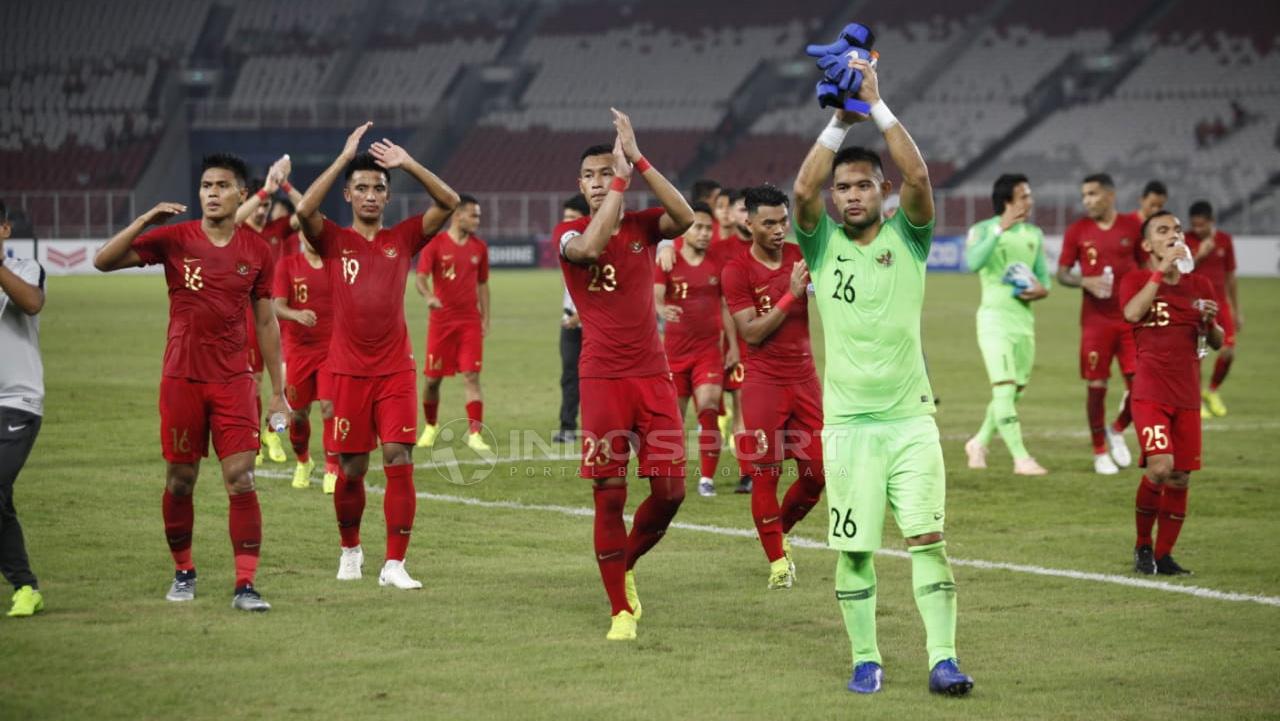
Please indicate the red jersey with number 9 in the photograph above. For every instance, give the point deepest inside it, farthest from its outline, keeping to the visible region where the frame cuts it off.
(1118, 246)
(1168, 366)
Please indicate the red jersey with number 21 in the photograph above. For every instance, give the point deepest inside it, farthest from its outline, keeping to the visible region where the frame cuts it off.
(614, 297)
(695, 290)
(1168, 367)
(368, 278)
(1118, 246)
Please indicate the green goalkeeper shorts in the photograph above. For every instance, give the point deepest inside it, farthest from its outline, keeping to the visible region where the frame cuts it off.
(1008, 356)
(869, 464)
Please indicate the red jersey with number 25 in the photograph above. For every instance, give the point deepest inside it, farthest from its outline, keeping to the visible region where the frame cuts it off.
(786, 356)
(695, 290)
(304, 288)
(614, 297)
(210, 291)
(456, 271)
(1168, 367)
(1095, 249)
(368, 278)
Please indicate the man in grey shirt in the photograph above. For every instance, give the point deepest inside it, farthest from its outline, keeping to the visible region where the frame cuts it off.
(21, 408)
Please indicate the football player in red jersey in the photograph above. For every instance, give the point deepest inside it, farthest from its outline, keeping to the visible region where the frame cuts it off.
(1215, 255)
(1172, 313)
(214, 270)
(689, 299)
(628, 397)
(453, 275)
(372, 373)
(767, 292)
(1106, 244)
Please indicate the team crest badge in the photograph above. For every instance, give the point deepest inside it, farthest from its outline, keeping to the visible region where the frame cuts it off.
(242, 268)
(390, 251)
(475, 260)
(637, 246)
(885, 258)
(713, 280)
(1124, 242)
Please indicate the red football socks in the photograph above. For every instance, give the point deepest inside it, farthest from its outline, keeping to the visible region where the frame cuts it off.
(611, 544)
(1220, 368)
(179, 519)
(1146, 507)
(399, 506)
(744, 448)
(653, 516)
(1126, 412)
(245, 523)
(709, 442)
(348, 504)
(1096, 408)
(765, 511)
(1173, 510)
(431, 409)
(330, 457)
(803, 495)
(300, 438)
(475, 415)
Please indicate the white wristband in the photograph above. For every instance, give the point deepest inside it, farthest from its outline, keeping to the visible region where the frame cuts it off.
(666, 243)
(883, 116)
(832, 136)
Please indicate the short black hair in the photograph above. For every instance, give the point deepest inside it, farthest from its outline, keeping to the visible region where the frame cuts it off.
(1002, 190)
(226, 161)
(735, 194)
(703, 189)
(1154, 215)
(364, 161)
(4, 213)
(288, 204)
(858, 154)
(700, 207)
(254, 185)
(764, 195)
(1154, 186)
(1201, 209)
(1103, 179)
(600, 149)
(464, 199)
(578, 203)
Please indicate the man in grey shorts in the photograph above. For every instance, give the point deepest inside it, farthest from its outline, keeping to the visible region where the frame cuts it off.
(21, 407)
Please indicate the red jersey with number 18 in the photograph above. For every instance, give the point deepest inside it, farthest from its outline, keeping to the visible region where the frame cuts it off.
(614, 297)
(1168, 366)
(304, 288)
(368, 278)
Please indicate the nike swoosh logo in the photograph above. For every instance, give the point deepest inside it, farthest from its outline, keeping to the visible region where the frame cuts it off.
(299, 280)
(348, 251)
(246, 544)
(769, 520)
(843, 259)
(15, 429)
(190, 260)
(607, 556)
(406, 531)
(762, 289)
(937, 516)
(405, 429)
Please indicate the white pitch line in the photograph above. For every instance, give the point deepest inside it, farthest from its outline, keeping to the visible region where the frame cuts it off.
(1197, 591)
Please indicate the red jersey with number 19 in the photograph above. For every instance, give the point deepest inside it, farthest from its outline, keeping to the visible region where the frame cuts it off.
(614, 297)
(368, 278)
(210, 289)
(1168, 367)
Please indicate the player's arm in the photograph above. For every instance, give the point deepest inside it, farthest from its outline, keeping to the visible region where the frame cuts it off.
(1135, 309)
(119, 253)
(308, 206)
(268, 328)
(276, 175)
(756, 329)
(586, 247)
(27, 296)
(482, 294)
(1206, 247)
(283, 311)
(1233, 298)
(679, 215)
(917, 190)
(816, 170)
(390, 156)
(980, 243)
(733, 353)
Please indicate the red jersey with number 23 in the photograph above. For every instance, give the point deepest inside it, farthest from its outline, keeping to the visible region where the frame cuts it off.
(614, 297)
(304, 288)
(1095, 249)
(368, 278)
(210, 291)
(1168, 366)
(786, 356)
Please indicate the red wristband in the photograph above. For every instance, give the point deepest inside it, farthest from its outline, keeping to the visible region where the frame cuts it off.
(785, 302)
(1156, 277)
(286, 187)
(263, 195)
(619, 184)
(643, 165)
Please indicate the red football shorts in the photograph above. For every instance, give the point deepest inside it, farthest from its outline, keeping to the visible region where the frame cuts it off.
(1228, 323)
(367, 409)
(620, 415)
(1100, 342)
(734, 376)
(706, 369)
(453, 348)
(191, 410)
(1165, 429)
(306, 385)
(782, 421)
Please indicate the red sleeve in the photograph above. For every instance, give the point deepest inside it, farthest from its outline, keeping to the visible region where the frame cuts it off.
(1130, 284)
(152, 246)
(1070, 248)
(262, 284)
(482, 275)
(278, 228)
(280, 284)
(324, 243)
(1229, 258)
(408, 233)
(659, 275)
(425, 259)
(648, 219)
(737, 291)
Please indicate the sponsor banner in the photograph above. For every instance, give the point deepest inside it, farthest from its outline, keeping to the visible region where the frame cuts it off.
(66, 257)
(947, 254)
(513, 255)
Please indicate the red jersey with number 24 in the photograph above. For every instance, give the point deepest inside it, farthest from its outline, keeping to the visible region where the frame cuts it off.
(456, 271)
(1168, 366)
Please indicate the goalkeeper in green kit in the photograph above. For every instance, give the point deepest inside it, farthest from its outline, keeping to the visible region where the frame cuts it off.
(879, 441)
(1007, 253)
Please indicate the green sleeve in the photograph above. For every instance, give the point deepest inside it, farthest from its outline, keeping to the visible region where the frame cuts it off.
(813, 244)
(1041, 267)
(917, 237)
(980, 244)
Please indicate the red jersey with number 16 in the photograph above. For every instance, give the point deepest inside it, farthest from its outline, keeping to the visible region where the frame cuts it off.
(1118, 246)
(1168, 366)
(614, 297)
(304, 288)
(368, 277)
(786, 356)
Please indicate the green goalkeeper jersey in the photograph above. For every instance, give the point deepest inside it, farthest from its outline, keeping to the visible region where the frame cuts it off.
(989, 254)
(870, 298)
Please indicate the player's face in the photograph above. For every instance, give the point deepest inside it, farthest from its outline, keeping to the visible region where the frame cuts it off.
(858, 191)
(1097, 199)
(368, 193)
(1202, 226)
(738, 217)
(570, 214)
(1152, 203)
(721, 207)
(1022, 200)
(220, 193)
(769, 226)
(1162, 234)
(699, 234)
(259, 217)
(279, 210)
(594, 177)
(5, 230)
(468, 218)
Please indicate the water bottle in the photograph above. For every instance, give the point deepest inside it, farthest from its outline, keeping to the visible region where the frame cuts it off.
(1109, 276)
(279, 421)
(1184, 264)
(1202, 338)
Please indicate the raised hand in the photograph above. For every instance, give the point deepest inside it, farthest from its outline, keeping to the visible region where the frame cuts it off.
(162, 213)
(852, 34)
(621, 164)
(1012, 215)
(799, 279)
(388, 154)
(626, 134)
(869, 90)
(353, 141)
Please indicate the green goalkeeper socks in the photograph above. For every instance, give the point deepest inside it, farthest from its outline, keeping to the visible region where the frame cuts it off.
(987, 430)
(856, 594)
(935, 591)
(1004, 414)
